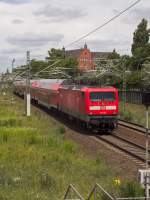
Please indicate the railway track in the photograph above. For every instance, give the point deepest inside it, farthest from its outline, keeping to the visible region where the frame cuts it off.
(132, 126)
(134, 150)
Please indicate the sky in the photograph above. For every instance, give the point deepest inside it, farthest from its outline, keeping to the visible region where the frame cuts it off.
(39, 25)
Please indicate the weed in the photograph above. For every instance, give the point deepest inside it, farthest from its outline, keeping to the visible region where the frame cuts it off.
(46, 181)
(4, 137)
(12, 122)
(32, 139)
(98, 159)
(134, 113)
(36, 162)
(5, 179)
(131, 189)
(69, 147)
(128, 116)
(2, 197)
(61, 130)
(53, 143)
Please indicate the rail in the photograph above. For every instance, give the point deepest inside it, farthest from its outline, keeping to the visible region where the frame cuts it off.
(131, 123)
(132, 126)
(70, 196)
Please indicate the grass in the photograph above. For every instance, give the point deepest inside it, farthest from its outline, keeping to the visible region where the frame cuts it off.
(36, 162)
(134, 113)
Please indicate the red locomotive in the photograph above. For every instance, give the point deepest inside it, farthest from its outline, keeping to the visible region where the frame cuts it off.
(95, 107)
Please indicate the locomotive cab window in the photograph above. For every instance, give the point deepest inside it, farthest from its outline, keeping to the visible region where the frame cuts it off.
(102, 96)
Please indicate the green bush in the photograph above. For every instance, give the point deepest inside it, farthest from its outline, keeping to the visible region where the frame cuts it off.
(131, 189)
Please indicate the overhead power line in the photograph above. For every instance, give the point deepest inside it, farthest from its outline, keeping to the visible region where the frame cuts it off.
(19, 74)
(57, 61)
(107, 22)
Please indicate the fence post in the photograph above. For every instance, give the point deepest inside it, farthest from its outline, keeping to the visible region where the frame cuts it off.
(95, 193)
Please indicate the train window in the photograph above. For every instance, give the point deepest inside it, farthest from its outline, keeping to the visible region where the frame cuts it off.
(102, 96)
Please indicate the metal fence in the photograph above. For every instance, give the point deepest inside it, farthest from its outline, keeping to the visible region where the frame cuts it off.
(134, 198)
(72, 194)
(132, 96)
(97, 193)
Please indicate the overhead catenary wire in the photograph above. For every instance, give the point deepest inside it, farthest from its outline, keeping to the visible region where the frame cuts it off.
(56, 62)
(104, 24)
(20, 74)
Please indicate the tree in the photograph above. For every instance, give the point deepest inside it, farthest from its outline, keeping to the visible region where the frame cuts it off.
(56, 66)
(141, 45)
(114, 55)
(36, 66)
(70, 65)
(65, 66)
(134, 80)
(54, 55)
(146, 75)
(141, 37)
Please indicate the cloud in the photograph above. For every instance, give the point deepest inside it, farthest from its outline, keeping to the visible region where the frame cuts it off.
(17, 21)
(10, 51)
(59, 14)
(107, 44)
(31, 40)
(136, 15)
(15, 1)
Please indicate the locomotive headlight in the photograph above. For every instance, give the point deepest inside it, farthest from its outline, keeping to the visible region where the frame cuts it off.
(94, 107)
(110, 107)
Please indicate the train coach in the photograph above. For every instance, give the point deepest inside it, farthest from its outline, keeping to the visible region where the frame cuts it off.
(94, 107)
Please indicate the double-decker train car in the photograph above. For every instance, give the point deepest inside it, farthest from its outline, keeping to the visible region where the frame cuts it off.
(95, 107)
(19, 87)
(46, 92)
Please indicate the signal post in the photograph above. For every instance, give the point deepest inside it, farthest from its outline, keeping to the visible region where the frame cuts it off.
(146, 175)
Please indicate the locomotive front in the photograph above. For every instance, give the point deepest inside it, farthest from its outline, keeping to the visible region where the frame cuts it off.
(102, 108)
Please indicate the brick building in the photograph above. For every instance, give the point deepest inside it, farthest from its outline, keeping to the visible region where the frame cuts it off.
(86, 58)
